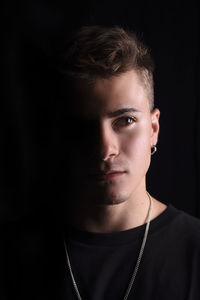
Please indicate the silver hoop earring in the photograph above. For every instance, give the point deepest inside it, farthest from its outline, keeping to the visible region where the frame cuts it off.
(153, 150)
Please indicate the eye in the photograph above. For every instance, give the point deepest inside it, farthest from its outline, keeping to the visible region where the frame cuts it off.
(124, 122)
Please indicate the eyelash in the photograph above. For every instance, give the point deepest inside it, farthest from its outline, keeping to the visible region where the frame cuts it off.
(116, 123)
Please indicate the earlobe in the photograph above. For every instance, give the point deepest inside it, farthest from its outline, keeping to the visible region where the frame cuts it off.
(155, 115)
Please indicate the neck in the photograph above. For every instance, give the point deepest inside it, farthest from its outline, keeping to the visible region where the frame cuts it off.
(112, 218)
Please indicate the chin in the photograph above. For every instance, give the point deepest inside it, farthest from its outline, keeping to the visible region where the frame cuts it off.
(111, 200)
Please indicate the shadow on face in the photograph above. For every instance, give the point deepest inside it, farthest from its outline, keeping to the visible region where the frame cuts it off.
(109, 128)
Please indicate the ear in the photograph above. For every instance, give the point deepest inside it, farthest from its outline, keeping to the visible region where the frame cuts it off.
(155, 115)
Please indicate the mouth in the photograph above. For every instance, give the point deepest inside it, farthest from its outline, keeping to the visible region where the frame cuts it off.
(107, 176)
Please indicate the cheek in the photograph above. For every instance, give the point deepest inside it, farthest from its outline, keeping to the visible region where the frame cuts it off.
(136, 143)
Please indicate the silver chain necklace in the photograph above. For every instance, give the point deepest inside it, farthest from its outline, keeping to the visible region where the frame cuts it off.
(137, 263)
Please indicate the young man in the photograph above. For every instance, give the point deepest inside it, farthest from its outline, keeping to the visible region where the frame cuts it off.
(120, 242)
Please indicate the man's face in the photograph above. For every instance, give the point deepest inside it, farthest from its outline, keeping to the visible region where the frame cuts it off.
(110, 137)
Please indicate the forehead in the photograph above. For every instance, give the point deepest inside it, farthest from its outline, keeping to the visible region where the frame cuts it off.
(111, 94)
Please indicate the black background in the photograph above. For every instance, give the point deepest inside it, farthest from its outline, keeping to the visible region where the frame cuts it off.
(31, 31)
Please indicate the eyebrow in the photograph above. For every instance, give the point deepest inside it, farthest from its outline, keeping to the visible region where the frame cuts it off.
(121, 112)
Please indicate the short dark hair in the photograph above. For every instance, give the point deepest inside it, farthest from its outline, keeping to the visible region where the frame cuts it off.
(95, 51)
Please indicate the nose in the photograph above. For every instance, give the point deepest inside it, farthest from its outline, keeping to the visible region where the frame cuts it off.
(108, 143)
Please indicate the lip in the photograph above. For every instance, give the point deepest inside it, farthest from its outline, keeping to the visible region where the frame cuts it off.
(109, 175)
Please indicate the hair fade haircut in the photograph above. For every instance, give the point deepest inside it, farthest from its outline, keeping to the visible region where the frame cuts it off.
(102, 52)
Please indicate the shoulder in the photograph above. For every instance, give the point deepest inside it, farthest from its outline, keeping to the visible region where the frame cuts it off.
(176, 226)
(184, 227)
(186, 220)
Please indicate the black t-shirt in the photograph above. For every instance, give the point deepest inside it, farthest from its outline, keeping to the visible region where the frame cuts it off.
(33, 261)
(103, 264)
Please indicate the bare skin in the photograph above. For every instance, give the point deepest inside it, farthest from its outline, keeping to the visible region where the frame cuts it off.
(109, 188)
(116, 218)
